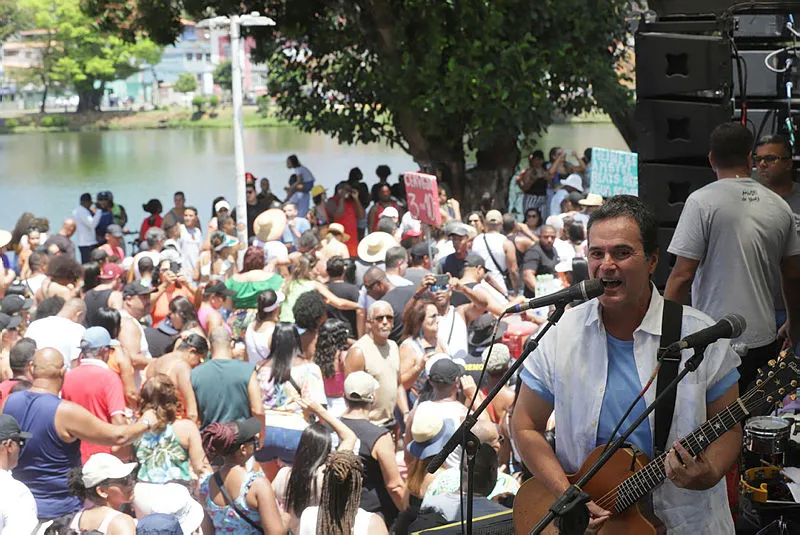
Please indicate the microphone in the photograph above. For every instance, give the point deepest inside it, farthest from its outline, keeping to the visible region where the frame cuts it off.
(731, 326)
(584, 290)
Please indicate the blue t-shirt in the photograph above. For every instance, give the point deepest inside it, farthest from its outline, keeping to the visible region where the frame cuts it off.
(622, 387)
(301, 224)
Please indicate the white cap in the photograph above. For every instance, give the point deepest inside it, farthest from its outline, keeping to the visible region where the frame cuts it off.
(555, 222)
(102, 467)
(222, 204)
(390, 211)
(169, 499)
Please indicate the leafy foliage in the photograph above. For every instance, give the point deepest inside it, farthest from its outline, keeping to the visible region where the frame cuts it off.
(74, 53)
(186, 83)
(223, 75)
(198, 102)
(436, 77)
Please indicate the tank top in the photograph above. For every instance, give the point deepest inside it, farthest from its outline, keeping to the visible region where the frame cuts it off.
(46, 459)
(256, 343)
(350, 223)
(293, 291)
(308, 522)
(383, 363)
(94, 299)
(102, 528)
(374, 496)
(161, 457)
(453, 333)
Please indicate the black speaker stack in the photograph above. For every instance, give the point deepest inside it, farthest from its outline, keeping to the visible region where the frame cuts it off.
(700, 63)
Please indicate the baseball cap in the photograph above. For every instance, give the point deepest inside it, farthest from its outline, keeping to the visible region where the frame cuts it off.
(111, 271)
(9, 322)
(497, 361)
(411, 233)
(430, 432)
(159, 524)
(458, 228)
(317, 190)
(247, 430)
(474, 260)
(390, 211)
(97, 337)
(136, 288)
(445, 371)
(360, 386)
(575, 197)
(102, 467)
(420, 250)
(14, 304)
(114, 230)
(98, 255)
(172, 505)
(218, 288)
(222, 205)
(494, 216)
(9, 428)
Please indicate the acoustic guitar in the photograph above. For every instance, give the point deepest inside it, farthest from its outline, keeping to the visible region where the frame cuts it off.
(623, 484)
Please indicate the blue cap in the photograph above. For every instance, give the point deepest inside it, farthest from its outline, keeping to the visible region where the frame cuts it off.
(97, 337)
(159, 524)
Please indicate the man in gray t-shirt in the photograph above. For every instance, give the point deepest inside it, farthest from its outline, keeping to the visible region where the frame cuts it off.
(773, 161)
(738, 241)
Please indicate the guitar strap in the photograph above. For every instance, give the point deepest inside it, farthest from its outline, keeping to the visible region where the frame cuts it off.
(670, 333)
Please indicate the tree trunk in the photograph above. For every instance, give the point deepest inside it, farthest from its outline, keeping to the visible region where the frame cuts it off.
(90, 99)
(495, 167)
(44, 99)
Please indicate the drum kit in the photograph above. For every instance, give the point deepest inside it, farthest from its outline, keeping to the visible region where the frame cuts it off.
(771, 447)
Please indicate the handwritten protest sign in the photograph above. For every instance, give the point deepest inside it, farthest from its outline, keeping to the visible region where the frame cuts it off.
(614, 172)
(422, 194)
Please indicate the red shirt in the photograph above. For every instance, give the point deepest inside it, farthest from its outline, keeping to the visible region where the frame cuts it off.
(146, 225)
(5, 391)
(350, 223)
(93, 386)
(111, 251)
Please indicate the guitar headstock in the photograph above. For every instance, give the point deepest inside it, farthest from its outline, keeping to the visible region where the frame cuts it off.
(774, 381)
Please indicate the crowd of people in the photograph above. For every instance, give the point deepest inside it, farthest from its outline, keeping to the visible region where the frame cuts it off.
(303, 381)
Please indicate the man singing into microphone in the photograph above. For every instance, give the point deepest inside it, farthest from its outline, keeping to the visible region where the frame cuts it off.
(591, 366)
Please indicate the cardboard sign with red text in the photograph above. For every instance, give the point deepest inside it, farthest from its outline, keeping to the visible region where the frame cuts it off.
(422, 194)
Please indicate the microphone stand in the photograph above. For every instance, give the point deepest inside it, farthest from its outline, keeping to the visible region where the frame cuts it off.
(572, 502)
(464, 432)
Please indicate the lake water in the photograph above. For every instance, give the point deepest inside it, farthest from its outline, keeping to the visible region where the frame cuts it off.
(46, 173)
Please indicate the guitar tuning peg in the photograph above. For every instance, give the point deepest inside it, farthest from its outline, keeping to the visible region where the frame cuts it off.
(770, 373)
(770, 399)
(772, 363)
(782, 365)
(759, 382)
(793, 383)
(781, 391)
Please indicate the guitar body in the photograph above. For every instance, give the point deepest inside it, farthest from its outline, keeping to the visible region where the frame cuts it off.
(533, 500)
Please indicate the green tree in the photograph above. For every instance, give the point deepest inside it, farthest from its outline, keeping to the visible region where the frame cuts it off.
(186, 83)
(223, 76)
(437, 77)
(76, 53)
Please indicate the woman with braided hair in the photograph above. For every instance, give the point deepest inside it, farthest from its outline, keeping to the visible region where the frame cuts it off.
(237, 500)
(338, 512)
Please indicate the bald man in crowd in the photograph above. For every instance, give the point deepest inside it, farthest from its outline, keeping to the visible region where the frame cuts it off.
(57, 427)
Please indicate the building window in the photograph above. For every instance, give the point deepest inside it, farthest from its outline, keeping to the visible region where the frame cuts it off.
(208, 58)
(189, 56)
(198, 56)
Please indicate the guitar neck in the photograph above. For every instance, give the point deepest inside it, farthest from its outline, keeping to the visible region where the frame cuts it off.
(642, 482)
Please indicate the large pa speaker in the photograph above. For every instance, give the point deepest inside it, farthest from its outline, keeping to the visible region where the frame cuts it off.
(666, 8)
(665, 187)
(675, 64)
(666, 261)
(670, 130)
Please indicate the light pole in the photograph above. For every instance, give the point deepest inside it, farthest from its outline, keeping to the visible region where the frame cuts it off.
(235, 23)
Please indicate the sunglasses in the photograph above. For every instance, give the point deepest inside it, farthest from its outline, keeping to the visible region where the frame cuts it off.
(20, 441)
(385, 317)
(770, 158)
(250, 191)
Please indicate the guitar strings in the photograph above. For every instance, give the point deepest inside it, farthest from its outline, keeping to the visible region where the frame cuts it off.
(609, 500)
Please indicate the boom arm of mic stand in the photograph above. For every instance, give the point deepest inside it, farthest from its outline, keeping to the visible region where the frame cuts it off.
(567, 501)
(470, 421)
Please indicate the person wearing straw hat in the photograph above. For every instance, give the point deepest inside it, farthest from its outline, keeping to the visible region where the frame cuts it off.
(592, 202)
(371, 252)
(334, 243)
(268, 228)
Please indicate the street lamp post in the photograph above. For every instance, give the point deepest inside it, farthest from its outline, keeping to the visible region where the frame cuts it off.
(235, 24)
